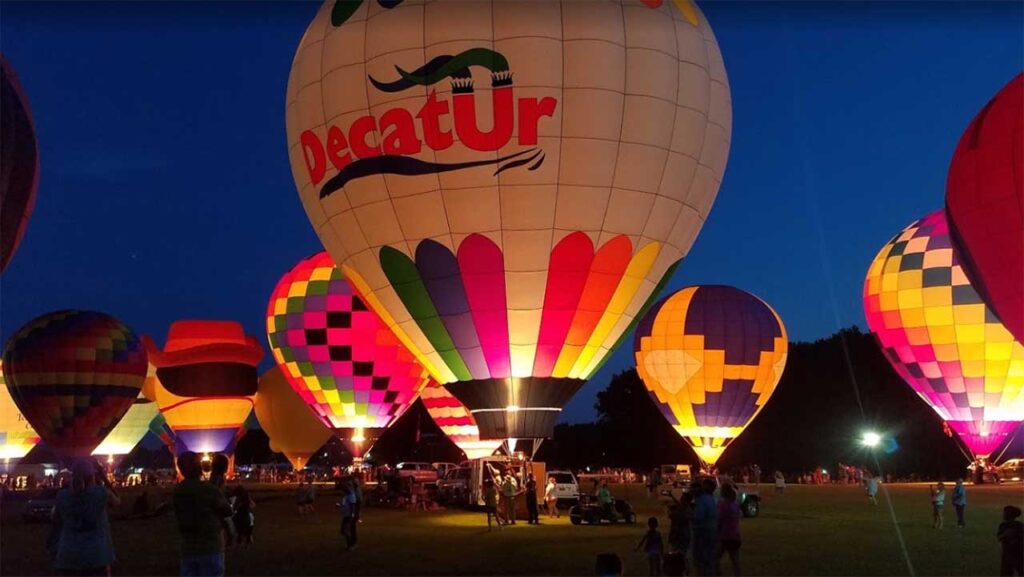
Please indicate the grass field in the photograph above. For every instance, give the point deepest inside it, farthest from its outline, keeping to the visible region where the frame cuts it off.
(811, 530)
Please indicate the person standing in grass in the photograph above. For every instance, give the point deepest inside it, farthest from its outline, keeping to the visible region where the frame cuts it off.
(653, 546)
(705, 529)
(532, 510)
(729, 528)
(491, 503)
(200, 509)
(509, 488)
(1011, 537)
(679, 534)
(960, 502)
(80, 535)
(551, 498)
(780, 482)
(871, 488)
(938, 493)
(348, 515)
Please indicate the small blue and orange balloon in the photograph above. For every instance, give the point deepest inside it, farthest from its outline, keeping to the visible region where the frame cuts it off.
(710, 356)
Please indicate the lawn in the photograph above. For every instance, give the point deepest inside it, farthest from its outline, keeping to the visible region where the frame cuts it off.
(811, 530)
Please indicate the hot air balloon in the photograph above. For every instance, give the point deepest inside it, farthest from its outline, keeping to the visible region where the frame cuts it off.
(711, 357)
(74, 374)
(338, 356)
(19, 163)
(206, 381)
(455, 420)
(941, 338)
(128, 433)
(159, 427)
(985, 204)
(291, 425)
(17, 437)
(506, 184)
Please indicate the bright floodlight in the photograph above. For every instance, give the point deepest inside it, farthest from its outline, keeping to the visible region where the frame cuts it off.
(871, 439)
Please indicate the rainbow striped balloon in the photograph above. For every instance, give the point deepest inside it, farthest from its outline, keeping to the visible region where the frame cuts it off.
(74, 374)
(455, 420)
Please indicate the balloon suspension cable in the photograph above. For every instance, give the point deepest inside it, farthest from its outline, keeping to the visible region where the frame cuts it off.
(536, 447)
(1006, 446)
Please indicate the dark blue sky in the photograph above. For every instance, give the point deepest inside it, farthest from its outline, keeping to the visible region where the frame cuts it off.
(166, 192)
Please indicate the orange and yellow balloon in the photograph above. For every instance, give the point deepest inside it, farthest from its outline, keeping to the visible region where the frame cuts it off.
(17, 437)
(291, 425)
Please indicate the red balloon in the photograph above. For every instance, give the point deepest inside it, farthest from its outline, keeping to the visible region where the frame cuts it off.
(985, 203)
(19, 163)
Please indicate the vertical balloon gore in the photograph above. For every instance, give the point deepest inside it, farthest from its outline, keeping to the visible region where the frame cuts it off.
(74, 374)
(711, 357)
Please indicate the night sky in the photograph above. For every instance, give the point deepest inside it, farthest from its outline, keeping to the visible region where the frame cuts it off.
(166, 192)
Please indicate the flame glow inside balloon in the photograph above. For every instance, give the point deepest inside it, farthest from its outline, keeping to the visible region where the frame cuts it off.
(17, 437)
(711, 357)
(985, 204)
(941, 337)
(506, 184)
(291, 425)
(74, 374)
(337, 355)
(455, 421)
(205, 382)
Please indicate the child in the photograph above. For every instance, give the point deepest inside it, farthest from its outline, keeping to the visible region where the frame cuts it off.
(938, 502)
(491, 503)
(871, 487)
(1011, 537)
(729, 527)
(652, 545)
(780, 482)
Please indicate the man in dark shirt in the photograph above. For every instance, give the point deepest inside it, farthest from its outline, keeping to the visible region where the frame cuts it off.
(200, 509)
(1011, 537)
(532, 510)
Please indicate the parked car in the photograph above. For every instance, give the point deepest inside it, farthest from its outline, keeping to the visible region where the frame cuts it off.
(675, 475)
(40, 507)
(1011, 470)
(422, 472)
(443, 468)
(453, 487)
(593, 514)
(567, 488)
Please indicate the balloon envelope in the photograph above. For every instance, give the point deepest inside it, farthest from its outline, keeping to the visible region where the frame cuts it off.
(711, 357)
(74, 374)
(205, 382)
(506, 184)
(17, 437)
(19, 163)
(941, 338)
(455, 420)
(130, 431)
(291, 425)
(338, 356)
(985, 204)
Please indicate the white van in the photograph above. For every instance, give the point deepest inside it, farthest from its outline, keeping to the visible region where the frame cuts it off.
(567, 489)
(422, 472)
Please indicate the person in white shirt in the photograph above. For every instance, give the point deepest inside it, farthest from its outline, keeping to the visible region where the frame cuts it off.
(551, 499)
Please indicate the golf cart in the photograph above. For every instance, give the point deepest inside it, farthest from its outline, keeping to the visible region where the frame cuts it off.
(749, 501)
(593, 514)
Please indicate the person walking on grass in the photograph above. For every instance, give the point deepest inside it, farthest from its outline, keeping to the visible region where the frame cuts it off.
(729, 528)
(1011, 537)
(491, 503)
(200, 509)
(551, 499)
(244, 519)
(960, 502)
(705, 529)
(938, 493)
(652, 546)
(80, 535)
(348, 516)
(871, 488)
